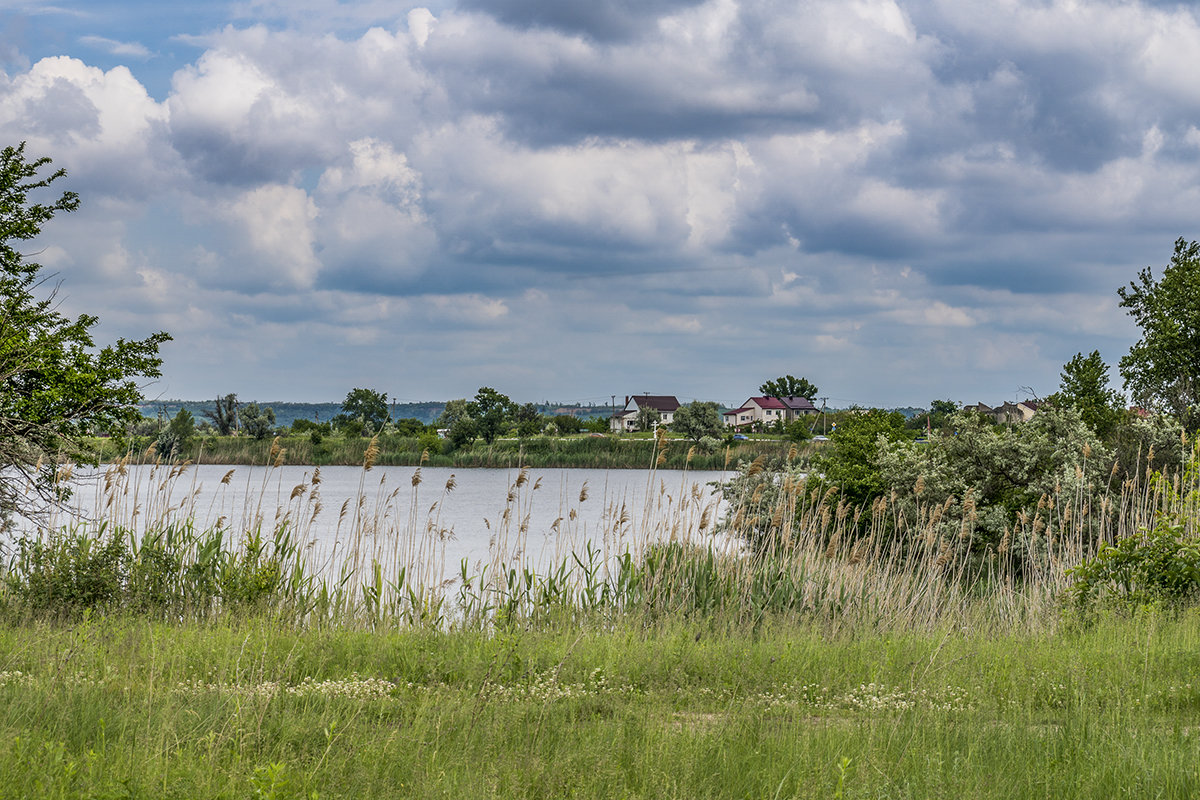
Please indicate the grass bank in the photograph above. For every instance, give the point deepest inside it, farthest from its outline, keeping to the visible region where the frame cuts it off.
(246, 707)
(606, 452)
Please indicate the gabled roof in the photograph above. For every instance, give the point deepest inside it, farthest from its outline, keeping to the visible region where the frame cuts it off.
(767, 402)
(658, 402)
(799, 404)
(736, 411)
(792, 403)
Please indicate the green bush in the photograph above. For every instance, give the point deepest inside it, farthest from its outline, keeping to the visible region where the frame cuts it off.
(1157, 566)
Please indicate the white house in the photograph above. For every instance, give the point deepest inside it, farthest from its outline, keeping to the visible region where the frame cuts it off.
(767, 410)
(626, 420)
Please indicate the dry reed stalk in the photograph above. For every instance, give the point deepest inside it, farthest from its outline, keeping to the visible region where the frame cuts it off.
(371, 454)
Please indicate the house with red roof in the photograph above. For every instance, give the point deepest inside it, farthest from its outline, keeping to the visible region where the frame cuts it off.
(767, 410)
(665, 405)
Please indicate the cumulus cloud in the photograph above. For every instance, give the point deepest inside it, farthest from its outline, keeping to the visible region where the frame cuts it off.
(273, 225)
(903, 198)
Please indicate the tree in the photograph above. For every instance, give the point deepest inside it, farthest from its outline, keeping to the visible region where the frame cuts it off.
(410, 426)
(258, 422)
(935, 418)
(697, 420)
(789, 386)
(174, 438)
(492, 412)
(1163, 368)
(224, 418)
(459, 421)
(567, 424)
(1085, 387)
(56, 387)
(852, 460)
(368, 406)
(529, 421)
(647, 418)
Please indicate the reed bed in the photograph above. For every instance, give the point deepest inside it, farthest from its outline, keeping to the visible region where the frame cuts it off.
(889, 566)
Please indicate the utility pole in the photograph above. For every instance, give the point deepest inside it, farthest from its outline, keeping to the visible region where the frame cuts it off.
(823, 419)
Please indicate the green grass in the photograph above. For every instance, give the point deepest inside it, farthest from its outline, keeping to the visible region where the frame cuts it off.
(123, 707)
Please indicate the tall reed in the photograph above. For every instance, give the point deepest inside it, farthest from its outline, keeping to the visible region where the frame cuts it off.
(888, 565)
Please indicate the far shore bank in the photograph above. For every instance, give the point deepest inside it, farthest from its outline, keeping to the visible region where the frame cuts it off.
(599, 452)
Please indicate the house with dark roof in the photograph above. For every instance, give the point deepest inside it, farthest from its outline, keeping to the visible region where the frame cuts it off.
(767, 410)
(1008, 412)
(665, 405)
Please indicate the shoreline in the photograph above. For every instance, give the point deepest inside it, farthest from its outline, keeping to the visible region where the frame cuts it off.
(565, 453)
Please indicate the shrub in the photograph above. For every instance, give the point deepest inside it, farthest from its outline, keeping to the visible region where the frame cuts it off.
(1159, 565)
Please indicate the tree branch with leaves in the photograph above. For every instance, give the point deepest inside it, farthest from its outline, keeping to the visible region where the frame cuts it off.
(56, 386)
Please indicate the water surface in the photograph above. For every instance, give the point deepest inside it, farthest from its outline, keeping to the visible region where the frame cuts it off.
(433, 517)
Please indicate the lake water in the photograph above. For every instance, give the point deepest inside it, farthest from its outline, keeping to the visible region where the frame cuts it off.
(430, 519)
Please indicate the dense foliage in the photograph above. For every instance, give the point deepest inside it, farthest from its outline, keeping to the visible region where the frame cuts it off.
(789, 386)
(1162, 370)
(698, 420)
(367, 406)
(56, 387)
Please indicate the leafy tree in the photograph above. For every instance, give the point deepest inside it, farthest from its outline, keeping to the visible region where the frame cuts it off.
(646, 418)
(852, 460)
(174, 438)
(459, 420)
(789, 386)
(529, 421)
(1149, 567)
(492, 412)
(1162, 370)
(798, 430)
(183, 425)
(225, 417)
(943, 407)
(366, 405)
(1085, 387)
(56, 387)
(697, 420)
(935, 418)
(410, 426)
(597, 425)
(258, 422)
(302, 426)
(567, 423)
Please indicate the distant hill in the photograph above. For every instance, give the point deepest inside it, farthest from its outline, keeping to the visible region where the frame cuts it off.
(287, 412)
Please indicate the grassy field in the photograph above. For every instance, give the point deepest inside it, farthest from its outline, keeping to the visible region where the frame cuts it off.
(220, 663)
(601, 708)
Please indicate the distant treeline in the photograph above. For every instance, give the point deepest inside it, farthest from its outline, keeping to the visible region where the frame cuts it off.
(287, 413)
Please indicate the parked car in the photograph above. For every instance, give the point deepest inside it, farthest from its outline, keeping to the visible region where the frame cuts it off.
(740, 437)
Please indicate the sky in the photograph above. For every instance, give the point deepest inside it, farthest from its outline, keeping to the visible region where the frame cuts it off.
(900, 200)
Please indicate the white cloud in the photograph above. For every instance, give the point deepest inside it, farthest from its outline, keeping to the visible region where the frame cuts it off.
(274, 227)
(117, 48)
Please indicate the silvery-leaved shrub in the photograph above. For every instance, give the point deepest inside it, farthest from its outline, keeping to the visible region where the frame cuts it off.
(981, 476)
